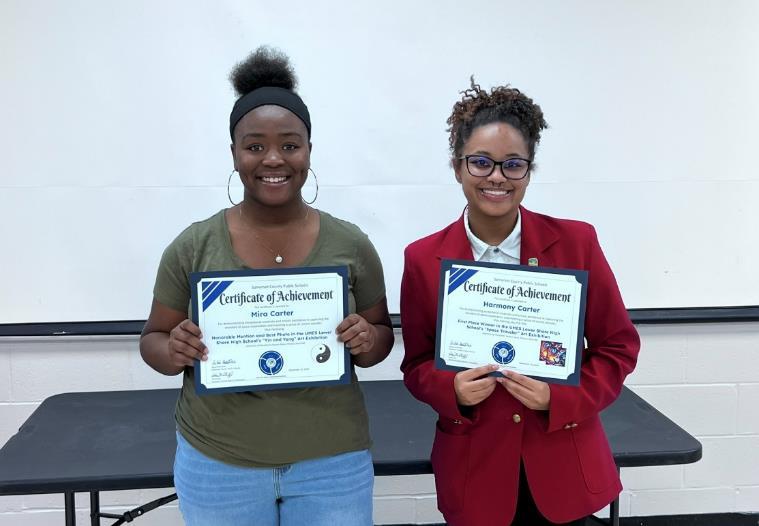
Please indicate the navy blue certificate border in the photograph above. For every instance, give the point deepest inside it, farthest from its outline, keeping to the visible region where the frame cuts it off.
(580, 275)
(195, 277)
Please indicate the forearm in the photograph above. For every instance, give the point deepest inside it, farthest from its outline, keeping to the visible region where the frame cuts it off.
(154, 349)
(383, 344)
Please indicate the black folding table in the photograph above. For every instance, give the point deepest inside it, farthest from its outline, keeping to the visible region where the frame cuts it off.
(123, 440)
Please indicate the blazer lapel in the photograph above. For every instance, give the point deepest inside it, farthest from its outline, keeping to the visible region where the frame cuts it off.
(537, 236)
(455, 244)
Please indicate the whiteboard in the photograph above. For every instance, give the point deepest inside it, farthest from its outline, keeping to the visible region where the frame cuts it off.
(113, 133)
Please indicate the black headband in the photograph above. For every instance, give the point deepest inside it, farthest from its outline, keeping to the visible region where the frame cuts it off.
(269, 95)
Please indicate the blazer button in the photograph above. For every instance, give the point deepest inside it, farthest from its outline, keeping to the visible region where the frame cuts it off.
(516, 418)
(457, 421)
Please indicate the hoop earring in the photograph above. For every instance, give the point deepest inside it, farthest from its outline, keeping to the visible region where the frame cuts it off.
(312, 201)
(229, 194)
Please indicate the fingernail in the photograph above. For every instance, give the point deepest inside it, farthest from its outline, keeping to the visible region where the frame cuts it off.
(493, 367)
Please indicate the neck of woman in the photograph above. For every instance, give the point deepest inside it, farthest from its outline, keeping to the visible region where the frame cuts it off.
(253, 213)
(492, 230)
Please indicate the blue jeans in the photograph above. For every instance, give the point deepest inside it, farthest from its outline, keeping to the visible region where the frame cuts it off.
(329, 491)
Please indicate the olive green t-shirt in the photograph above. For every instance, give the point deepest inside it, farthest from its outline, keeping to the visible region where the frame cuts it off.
(271, 428)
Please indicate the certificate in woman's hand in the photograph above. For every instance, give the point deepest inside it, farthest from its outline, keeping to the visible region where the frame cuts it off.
(525, 319)
(270, 328)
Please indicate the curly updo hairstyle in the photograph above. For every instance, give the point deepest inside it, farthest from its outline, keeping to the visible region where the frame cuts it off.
(264, 78)
(266, 66)
(477, 108)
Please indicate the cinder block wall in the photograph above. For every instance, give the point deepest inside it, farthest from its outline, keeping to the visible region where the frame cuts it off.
(704, 377)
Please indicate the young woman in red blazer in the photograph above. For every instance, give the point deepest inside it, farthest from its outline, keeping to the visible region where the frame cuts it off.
(514, 450)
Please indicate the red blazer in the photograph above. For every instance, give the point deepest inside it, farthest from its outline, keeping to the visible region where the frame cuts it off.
(567, 459)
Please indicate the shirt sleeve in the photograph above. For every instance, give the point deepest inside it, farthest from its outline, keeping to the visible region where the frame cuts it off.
(423, 379)
(172, 284)
(369, 285)
(611, 352)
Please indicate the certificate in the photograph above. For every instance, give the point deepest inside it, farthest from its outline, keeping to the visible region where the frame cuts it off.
(270, 328)
(524, 319)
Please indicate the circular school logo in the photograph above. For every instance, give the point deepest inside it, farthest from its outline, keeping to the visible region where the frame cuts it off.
(271, 362)
(503, 352)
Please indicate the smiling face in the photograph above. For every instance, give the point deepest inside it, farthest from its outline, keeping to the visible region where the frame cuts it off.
(493, 199)
(271, 152)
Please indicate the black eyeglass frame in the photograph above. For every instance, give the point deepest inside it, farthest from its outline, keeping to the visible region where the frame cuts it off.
(466, 158)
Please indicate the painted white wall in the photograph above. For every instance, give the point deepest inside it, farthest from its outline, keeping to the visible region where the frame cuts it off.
(113, 132)
(704, 377)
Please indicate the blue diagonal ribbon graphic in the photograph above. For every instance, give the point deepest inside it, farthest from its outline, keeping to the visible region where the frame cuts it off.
(210, 288)
(214, 291)
(455, 273)
(456, 279)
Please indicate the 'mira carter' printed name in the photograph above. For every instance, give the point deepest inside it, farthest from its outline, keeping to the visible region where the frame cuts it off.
(277, 296)
(516, 291)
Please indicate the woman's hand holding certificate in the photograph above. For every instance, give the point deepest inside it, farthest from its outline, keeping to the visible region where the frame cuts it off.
(357, 334)
(186, 345)
(534, 394)
(472, 386)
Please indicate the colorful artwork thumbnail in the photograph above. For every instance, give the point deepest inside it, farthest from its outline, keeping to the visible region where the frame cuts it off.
(553, 353)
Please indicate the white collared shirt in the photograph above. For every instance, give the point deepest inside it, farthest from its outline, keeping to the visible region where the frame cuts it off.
(507, 252)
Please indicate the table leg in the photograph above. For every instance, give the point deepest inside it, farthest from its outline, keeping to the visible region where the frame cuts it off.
(94, 508)
(614, 509)
(614, 512)
(68, 498)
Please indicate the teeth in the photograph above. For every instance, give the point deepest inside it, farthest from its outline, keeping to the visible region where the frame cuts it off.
(274, 179)
(494, 192)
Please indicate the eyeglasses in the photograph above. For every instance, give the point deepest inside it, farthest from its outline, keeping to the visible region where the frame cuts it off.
(482, 166)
